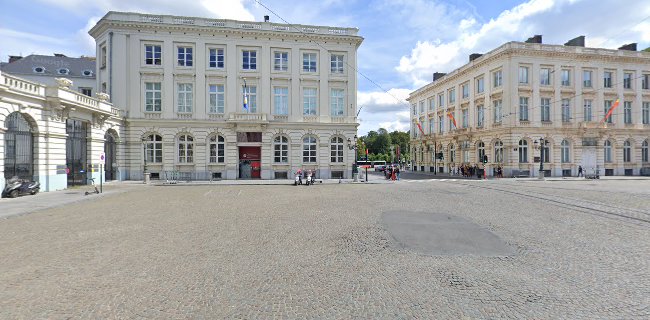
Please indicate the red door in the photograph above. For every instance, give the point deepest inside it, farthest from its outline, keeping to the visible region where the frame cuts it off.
(256, 167)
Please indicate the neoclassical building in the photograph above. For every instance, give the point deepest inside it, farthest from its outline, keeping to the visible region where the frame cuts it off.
(56, 135)
(211, 98)
(507, 101)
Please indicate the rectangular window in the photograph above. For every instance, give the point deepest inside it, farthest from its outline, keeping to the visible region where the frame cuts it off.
(546, 109)
(309, 102)
(337, 102)
(86, 91)
(465, 115)
(336, 150)
(465, 90)
(421, 106)
(432, 104)
(627, 112)
(497, 111)
(281, 100)
(566, 77)
(431, 126)
(217, 98)
(645, 113)
(216, 58)
(103, 58)
(523, 108)
(523, 75)
(152, 55)
(452, 96)
(566, 110)
(441, 124)
(250, 92)
(545, 76)
(497, 79)
(441, 100)
(185, 56)
(586, 79)
(152, 96)
(480, 116)
(249, 60)
(645, 81)
(608, 105)
(480, 85)
(415, 109)
(627, 80)
(587, 110)
(607, 79)
(280, 61)
(309, 62)
(336, 63)
(185, 97)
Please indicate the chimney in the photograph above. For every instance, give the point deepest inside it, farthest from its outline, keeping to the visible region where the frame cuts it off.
(266, 18)
(438, 75)
(474, 56)
(628, 47)
(576, 42)
(535, 39)
(14, 58)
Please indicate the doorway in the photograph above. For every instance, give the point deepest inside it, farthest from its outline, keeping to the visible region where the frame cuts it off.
(110, 154)
(19, 147)
(250, 162)
(76, 152)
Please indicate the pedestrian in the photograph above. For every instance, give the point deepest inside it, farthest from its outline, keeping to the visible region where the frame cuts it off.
(580, 172)
(397, 172)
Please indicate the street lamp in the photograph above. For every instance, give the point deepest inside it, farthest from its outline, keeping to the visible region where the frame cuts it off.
(542, 144)
(354, 146)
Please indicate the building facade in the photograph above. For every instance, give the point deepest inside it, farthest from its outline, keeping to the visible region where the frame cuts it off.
(507, 102)
(209, 98)
(56, 135)
(46, 69)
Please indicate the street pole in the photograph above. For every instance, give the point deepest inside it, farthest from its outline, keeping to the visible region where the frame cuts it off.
(101, 178)
(542, 143)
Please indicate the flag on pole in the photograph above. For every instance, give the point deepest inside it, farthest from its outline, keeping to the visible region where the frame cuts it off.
(453, 120)
(245, 97)
(611, 109)
(419, 125)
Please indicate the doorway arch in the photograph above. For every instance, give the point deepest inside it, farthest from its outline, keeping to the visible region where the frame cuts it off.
(19, 147)
(110, 153)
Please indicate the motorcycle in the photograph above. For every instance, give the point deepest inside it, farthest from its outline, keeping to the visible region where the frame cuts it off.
(17, 187)
(309, 179)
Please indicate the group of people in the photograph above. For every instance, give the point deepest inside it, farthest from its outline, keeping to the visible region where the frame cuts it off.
(392, 172)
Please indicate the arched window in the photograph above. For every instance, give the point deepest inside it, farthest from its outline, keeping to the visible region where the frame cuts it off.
(309, 149)
(185, 148)
(153, 148)
(19, 142)
(608, 151)
(565, 146)
(336, 149)
(480, 147)
(281, 149)
(217, 149)
(498, 151)
(452, 153)
(644, 151)
(627, 151)
(523, 151)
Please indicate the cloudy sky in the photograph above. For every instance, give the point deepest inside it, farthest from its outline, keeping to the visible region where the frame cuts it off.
(405, 40)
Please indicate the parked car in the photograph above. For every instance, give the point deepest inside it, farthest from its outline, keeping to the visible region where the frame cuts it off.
(380, 168)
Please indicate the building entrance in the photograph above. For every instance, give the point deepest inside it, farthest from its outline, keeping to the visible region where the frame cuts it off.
(250, 162)
(76, 152)
(109, 152)
(19, 148)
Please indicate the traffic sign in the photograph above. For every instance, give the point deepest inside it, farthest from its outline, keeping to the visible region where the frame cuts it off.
(102, 157)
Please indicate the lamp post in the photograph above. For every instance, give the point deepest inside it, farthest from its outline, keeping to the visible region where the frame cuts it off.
(542, 144)
(145, 174)
(355, 172)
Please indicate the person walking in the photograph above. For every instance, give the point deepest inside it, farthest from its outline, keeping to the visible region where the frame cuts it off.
(397, 172)
(580, 174)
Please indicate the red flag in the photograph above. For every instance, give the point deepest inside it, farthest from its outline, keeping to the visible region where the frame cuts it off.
(366, 152)
(451, 116)
(420, 127)
(609, 113)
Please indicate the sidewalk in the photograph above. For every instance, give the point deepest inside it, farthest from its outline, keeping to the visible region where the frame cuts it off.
(450, 176)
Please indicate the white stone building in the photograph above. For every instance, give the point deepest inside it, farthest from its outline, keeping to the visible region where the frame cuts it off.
(56, 135)
(507, 100)
(183, 80)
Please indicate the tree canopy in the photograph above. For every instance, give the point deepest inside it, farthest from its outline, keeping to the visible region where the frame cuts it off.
(383, 145)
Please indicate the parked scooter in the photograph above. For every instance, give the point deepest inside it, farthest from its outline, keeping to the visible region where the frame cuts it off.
(17, 187)
(298, 178)
(309, 179)
(92, 184)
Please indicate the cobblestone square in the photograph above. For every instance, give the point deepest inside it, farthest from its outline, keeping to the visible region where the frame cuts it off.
(581, 251)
